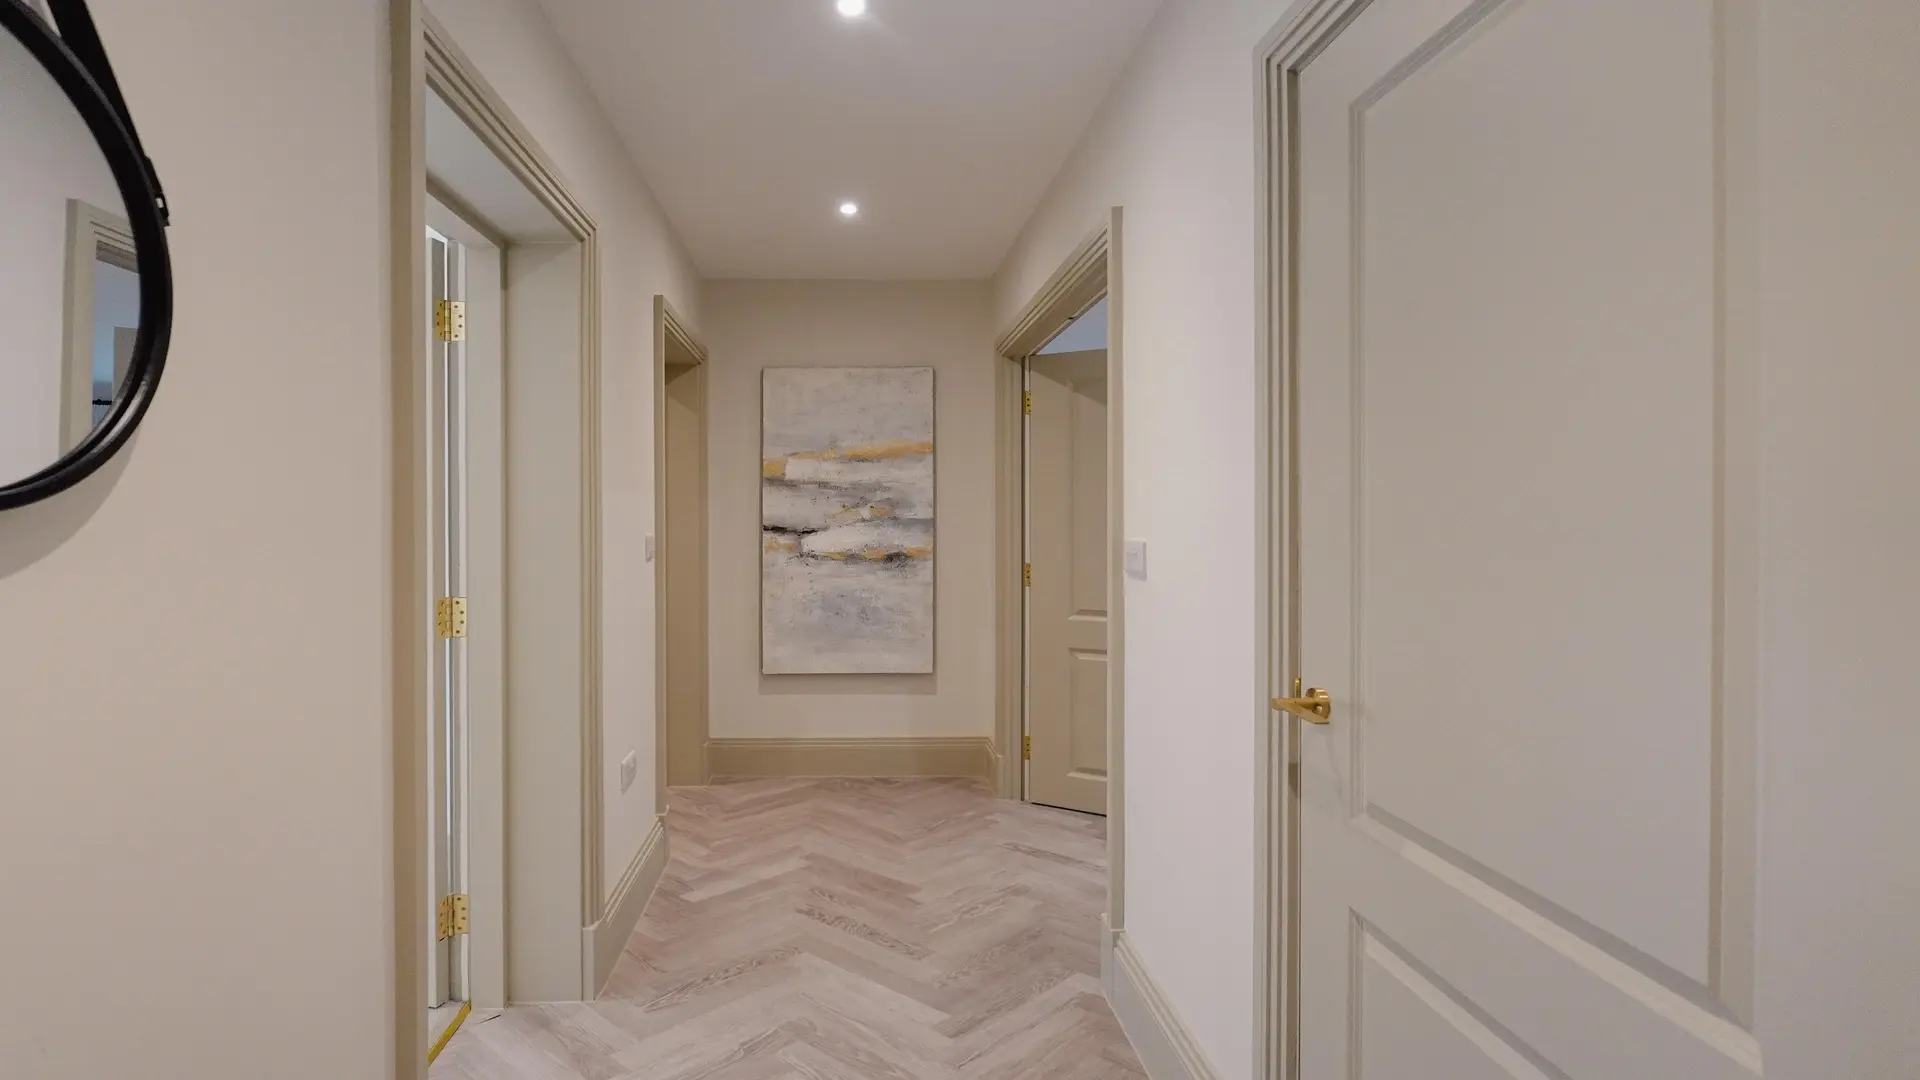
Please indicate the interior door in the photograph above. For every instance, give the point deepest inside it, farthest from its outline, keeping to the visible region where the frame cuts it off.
(683, 570)
(448, 578)
(1527, 832)
(1067, 548)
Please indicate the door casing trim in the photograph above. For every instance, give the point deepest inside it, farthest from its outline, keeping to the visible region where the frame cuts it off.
(1300, 35)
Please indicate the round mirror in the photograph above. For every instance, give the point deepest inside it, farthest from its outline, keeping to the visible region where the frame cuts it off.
(85, 299)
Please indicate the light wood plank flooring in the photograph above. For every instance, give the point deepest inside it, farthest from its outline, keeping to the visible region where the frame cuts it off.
(842, 930)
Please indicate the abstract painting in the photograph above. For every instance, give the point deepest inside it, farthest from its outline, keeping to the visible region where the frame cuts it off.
(846, 521)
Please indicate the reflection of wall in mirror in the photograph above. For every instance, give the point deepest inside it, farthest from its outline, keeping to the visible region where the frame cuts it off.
(47, 156)
(116, 316)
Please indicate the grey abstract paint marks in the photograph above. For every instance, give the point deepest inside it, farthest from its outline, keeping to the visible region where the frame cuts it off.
(846, 519)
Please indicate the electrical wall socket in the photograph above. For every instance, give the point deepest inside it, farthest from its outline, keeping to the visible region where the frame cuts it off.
(629, 768)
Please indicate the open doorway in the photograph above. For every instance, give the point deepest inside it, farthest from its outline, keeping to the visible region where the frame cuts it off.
(502, 519)
(680, 564)
(1061, 716)
(1065, 511)
(103, 316)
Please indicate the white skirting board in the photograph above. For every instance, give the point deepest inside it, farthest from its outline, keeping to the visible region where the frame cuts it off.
(602, 943)
(1167, 1050)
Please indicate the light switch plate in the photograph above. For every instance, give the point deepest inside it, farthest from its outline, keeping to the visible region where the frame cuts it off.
(629, 768)
(649, 547)
(1136, 559)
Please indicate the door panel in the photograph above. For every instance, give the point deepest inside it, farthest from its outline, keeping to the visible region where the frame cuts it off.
(1415, 1027)
(1067, 605)
(440, 683)
(1521, 838)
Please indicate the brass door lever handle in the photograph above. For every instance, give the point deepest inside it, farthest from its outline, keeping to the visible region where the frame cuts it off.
(1315, 706)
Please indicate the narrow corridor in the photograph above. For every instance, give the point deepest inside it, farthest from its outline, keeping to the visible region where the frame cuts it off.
(841, 929)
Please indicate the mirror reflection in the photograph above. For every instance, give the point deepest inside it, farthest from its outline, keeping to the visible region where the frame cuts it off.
(69, 275)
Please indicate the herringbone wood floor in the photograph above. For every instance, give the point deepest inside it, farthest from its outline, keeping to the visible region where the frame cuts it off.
(841, 930)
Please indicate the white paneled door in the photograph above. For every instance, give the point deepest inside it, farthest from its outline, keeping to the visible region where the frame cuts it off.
(1067, 547)
(1528, 832)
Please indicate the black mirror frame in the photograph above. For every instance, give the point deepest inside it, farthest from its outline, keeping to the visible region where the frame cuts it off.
(76, 60)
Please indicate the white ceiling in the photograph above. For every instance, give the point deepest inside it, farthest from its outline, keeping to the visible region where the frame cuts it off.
(944, 119)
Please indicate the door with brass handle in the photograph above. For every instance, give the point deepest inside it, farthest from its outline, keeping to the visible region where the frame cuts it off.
(1315, 706)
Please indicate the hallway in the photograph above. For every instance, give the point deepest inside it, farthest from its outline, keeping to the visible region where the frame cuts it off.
(843, 929)
(1422, 491)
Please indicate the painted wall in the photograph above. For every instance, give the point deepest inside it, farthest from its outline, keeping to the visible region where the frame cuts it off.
(518, 53)
(1174, 144)
(195, 783)
(943, 325)
(47, 156)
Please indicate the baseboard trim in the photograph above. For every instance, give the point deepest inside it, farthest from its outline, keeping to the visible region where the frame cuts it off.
(602, 943)
(743, 758)
(997, 771)
(1167, 1049)
(1107, 936)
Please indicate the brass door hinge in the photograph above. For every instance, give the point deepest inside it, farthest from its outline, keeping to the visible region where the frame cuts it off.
(450, 320)
(452, 920)
(450, 617)
(1026, 575)
(1028, 402)
(1026, 747)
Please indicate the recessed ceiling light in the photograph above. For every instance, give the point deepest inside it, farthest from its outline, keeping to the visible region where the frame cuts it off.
(849, 209)
(851, 9)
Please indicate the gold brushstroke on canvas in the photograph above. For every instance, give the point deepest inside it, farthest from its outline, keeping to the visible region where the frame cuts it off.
(776, 469)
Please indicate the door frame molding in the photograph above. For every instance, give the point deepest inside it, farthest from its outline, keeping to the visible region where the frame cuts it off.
(1300, 35)
(1091, 271)
(424, 58)
(669, 328)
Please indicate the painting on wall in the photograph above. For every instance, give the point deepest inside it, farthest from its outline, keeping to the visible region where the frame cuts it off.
(846, 521)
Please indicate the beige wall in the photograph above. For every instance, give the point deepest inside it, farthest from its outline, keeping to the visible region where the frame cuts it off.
(518, 53)
(943, 325)
(194, 698)
(1174, 145)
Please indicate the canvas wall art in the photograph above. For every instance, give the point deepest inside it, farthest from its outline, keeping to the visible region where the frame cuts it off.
(846, 520)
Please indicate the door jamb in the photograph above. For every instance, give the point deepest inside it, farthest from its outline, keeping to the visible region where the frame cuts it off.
(1091, 271)
(1300, 35)
(669, 328)
(423, 55)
